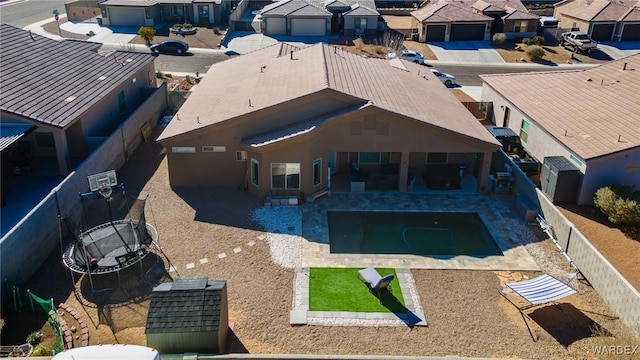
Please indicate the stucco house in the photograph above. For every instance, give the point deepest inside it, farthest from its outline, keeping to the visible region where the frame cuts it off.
(603, 20)
(590, 117)
(451, 20)
(298, 120)
(74, 96)
(320, 18)
(158, 12)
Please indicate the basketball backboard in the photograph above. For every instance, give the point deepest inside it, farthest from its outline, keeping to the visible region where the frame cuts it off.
(100, 180)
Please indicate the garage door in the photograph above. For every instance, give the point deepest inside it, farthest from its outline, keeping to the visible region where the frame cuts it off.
(436, 32)
(126, 16)
(308, 27)
(631, 32)
(467, 32)
(602, 32)
(277, 26)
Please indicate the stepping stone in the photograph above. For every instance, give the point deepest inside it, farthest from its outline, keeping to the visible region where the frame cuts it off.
(251, 243)
(298, 317)
(222, 256)
(261, 237)
(85, 342)
(237, 250)
(85, 330)
(204, 261)
(85, 337)
(190, 265)
(172, 269)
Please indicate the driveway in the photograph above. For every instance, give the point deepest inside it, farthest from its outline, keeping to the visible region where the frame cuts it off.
(618, 50)
(466, 52)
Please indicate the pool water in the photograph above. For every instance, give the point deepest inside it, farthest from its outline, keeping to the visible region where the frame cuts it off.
(416, 233)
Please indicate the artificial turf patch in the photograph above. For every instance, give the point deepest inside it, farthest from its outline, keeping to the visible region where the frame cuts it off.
(340, 289)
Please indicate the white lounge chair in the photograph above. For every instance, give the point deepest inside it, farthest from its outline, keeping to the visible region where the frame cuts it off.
(374, 280)
(538, 291)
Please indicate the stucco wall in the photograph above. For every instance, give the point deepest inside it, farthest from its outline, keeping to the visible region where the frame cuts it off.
(616, 291)
(372, 22)
(33, 239)
(622, 168)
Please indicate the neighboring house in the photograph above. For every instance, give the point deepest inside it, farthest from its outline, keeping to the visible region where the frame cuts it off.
(317, 18)
(603, 20)
(451, 20)
(590, 117)
(284, 118)
(74, 96)
(158, 12)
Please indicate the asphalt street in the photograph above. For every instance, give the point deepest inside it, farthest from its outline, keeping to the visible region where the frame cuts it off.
(25, 12)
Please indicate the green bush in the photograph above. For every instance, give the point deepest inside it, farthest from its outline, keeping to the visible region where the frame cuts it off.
(147, 33)
(42, 350)
(498, 38)
(538, 40)
(527, 41)
(34, 338)
(187, 26)
(619, 203)
(535, 52)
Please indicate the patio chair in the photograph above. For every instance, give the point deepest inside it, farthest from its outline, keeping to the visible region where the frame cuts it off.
(374, 280)
(538, 291)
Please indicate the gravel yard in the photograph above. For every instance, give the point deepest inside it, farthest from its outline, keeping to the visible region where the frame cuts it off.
(466, 315)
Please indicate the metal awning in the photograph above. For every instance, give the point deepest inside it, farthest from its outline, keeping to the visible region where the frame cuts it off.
(13, 132)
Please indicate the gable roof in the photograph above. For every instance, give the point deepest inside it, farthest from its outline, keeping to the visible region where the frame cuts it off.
(598, 10)
(360, 10)
(448, 12)
(297, 7)
(186, 305)
(515, 14)
(587, 110)
(54, 82)
(269, 79)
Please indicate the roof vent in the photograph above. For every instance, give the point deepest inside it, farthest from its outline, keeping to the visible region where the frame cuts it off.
(102, 78)
(129, 60)
(70, 99)
(588, 79)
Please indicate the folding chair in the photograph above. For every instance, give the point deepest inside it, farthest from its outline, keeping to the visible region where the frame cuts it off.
(541, 290)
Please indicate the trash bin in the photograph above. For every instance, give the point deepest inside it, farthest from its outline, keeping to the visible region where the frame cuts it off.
(462, 168)
(99, 21)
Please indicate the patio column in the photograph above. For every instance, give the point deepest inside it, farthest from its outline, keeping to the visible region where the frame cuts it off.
(483, 174)
(62, 151)
(404, 172)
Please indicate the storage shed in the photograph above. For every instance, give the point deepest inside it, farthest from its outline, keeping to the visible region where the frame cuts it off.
(188, 315)
(559, 179)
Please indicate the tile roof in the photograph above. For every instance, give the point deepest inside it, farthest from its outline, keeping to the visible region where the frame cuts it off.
(514, 14)
(448, 12)
(12, 132)
(263, 79)
(185, 305)
(632, 15)
(144, 3)
(598, 10)
(288, 7)
(360, 10)
(587, 110)
(54, 82)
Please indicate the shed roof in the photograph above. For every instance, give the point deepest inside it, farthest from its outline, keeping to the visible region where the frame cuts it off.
(12, 132)
(269, 79)
(593, 112)
(54, 82)
(185, 305)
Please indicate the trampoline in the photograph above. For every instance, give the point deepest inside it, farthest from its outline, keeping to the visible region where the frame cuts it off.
(115, 240)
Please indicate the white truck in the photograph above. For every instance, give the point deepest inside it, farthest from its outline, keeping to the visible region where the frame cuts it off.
(578, 41)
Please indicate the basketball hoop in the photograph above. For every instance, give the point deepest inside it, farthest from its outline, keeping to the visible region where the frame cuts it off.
(105, 191)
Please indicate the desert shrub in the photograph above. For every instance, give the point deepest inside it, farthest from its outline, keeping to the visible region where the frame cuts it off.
(187, 78)
(619, 203)
(216, 30)
(538, 40)
(159, 75)
(187, 26)
(527, 41)
(42, 350)
(34, 338)
(498, 38)
(147, 33)
(535, 52)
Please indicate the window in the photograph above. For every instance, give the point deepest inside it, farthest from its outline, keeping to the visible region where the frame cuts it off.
(255, 171)
(436, 158)
(218, 149)
(122, 103)
(45, 140)
(369, 158)
(360, 23)
(520, 26)
(317, 172)
(524, 130)
(285, 176)
(183, 149)
(241, 156)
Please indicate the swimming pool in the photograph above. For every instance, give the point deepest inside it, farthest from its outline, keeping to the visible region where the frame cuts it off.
(417, 233)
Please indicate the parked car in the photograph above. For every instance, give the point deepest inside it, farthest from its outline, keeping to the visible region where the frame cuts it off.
(408, 55)
(578, 41)
(170, 47)
(446, 79)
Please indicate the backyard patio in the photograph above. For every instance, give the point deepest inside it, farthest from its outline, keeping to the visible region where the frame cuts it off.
(210, 232)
